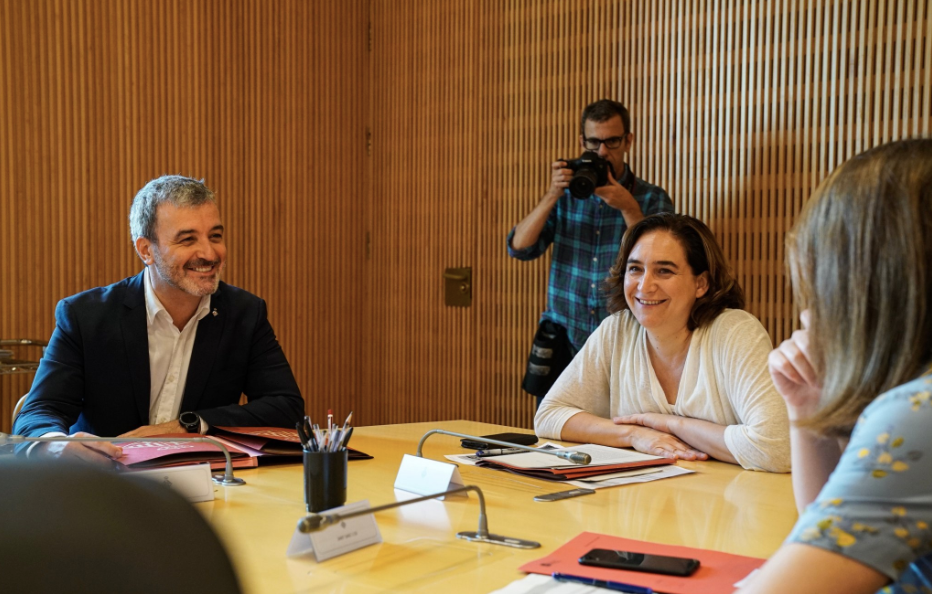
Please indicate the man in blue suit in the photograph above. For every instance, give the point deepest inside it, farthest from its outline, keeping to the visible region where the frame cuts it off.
(170, 350)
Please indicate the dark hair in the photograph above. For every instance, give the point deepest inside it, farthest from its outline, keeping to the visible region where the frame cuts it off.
(860, 259)
(602, 111)
(702, 255)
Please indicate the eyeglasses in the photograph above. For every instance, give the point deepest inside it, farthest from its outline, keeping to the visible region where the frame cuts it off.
(592, 144)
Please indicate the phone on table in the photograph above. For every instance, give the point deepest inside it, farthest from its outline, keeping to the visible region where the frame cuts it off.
(518, 438)
(640, 562)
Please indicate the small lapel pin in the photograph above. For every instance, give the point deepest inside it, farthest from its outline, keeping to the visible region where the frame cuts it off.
(215, 312)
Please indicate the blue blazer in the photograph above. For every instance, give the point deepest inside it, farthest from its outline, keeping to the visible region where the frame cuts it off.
(94, 375)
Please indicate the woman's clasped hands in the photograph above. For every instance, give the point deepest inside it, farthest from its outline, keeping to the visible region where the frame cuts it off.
(654, 433)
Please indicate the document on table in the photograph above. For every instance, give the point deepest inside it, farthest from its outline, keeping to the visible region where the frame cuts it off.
(614, 479)
(601, 455)
(631, 477)
(544, 584)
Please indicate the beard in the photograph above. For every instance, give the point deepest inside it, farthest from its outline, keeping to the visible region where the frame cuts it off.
(176, 276)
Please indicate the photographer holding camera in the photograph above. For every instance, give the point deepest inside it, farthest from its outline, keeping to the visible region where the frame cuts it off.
(591, 201)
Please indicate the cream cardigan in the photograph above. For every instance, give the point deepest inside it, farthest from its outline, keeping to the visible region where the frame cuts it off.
(725, 381)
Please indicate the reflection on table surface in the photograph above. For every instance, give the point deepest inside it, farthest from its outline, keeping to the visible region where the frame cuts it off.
(719, 507)
(13, 366)
(10, 365)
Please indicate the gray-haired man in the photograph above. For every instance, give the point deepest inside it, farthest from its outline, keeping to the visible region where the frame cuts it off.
(168, 350)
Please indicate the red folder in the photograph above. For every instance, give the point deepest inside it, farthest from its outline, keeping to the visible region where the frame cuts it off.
(717, 571)
(571, 473)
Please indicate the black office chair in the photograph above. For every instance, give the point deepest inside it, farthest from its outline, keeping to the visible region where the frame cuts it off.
(72, 528)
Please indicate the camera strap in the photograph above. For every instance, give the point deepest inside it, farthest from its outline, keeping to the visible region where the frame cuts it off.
(628, 181)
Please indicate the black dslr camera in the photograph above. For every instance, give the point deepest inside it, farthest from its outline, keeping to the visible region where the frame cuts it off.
(590, 171)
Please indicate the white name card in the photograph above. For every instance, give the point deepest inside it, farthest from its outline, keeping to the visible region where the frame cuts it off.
(425, 477)
(191, 482)
(343, 537)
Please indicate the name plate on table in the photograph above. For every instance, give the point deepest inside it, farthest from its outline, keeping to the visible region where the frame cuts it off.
(333, 541)
(191, 481)
(423, 476)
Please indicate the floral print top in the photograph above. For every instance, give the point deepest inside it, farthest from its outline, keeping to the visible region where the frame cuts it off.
(876, 507)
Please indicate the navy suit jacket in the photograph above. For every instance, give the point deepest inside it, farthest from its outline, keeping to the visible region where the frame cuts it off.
(94, 375)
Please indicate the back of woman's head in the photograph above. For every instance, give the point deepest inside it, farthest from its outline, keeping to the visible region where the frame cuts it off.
(860, 258)
(702, 254)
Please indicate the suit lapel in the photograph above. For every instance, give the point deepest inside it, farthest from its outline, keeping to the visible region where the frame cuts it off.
(206, 345)
(136, 344)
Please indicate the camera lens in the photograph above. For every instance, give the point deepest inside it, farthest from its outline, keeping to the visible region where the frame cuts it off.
(584, 182)
(590, 171)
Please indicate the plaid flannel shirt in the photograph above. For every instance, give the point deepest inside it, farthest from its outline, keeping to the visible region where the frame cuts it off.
(586, 234)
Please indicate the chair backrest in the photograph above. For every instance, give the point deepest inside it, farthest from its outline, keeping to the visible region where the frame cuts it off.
(73, 528)
(18, 407)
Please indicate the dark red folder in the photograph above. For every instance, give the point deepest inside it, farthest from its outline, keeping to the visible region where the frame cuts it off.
(273, 441)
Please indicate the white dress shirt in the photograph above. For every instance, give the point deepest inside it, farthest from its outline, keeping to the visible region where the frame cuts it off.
(169, 355)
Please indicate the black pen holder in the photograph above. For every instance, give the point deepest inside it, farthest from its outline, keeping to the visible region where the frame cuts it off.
(324, 480)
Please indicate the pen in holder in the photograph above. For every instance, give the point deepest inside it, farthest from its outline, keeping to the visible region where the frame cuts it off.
(324, 479)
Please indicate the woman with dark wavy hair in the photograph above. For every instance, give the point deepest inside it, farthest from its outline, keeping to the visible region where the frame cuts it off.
(857, 380)
(679, 369)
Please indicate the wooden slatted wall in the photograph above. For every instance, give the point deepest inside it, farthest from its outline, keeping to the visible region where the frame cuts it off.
(739, 110)
(352, 172)
(99, 96)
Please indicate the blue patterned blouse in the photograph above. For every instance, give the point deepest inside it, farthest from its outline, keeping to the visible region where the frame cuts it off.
(876, 507)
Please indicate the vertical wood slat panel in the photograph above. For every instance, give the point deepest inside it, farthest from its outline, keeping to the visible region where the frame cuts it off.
(96, 98)
(740, 109)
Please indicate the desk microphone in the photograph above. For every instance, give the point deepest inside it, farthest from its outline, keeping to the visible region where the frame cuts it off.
(315, 522)
(226, 479)
(574, 457)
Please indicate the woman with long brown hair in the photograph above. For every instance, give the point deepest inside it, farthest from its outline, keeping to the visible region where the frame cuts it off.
(856, 381)
(678, 369)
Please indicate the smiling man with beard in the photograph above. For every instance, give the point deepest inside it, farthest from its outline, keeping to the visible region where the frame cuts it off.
(169, 350)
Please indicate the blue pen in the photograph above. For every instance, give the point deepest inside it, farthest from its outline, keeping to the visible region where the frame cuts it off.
(617, 586)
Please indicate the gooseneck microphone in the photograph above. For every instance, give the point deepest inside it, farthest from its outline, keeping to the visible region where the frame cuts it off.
(574, 457)
(226, 479)
(314, 522)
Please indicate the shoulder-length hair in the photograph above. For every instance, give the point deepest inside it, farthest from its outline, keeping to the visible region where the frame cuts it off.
(703, 256)
(859, 260)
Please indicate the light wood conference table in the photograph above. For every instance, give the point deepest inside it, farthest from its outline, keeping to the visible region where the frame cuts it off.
(719, 507)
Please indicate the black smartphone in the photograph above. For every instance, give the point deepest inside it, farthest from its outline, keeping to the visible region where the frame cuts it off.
(640, 562)
(518, 438)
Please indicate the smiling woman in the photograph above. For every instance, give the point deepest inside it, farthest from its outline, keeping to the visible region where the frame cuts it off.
(678, 370)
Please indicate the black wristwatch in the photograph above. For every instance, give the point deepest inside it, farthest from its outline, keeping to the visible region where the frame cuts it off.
(191, 422)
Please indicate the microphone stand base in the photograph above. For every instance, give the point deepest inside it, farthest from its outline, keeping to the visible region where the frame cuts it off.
(497, 539)
(231, 482)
